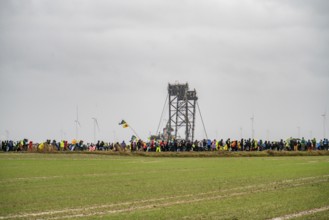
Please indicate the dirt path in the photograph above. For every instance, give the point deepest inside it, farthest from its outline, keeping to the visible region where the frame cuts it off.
(303, 213)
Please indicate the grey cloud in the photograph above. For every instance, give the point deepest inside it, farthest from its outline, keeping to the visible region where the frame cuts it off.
(267, 57)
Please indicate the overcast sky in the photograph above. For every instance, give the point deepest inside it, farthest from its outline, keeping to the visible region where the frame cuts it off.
(114, 60)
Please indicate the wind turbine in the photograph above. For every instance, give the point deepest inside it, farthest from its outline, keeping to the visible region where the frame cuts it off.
(77, 124)
(95, 125)
(324, 115)
(252, 126)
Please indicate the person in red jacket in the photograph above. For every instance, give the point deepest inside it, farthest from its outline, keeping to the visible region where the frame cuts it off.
(30, 145)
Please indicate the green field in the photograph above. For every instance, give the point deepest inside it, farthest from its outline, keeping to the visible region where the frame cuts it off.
(89, 186)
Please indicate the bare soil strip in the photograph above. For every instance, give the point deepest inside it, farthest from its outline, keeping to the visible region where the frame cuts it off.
(165, 201)
(303, 213)
(195, 154)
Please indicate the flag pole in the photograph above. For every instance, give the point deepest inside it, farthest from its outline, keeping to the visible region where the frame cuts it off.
(123, 122)
(134, 131)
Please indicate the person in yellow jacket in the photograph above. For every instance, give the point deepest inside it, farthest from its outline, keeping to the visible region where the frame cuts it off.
(41, 146)
(61, 145)
(21, 145)
(158, 148)
(239, 145)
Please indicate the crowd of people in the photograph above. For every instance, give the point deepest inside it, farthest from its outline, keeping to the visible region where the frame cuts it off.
(291, 144)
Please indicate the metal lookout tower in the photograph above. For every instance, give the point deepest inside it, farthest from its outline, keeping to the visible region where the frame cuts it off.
(182, 106)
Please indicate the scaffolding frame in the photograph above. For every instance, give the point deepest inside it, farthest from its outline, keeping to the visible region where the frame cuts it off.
(182, 108)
